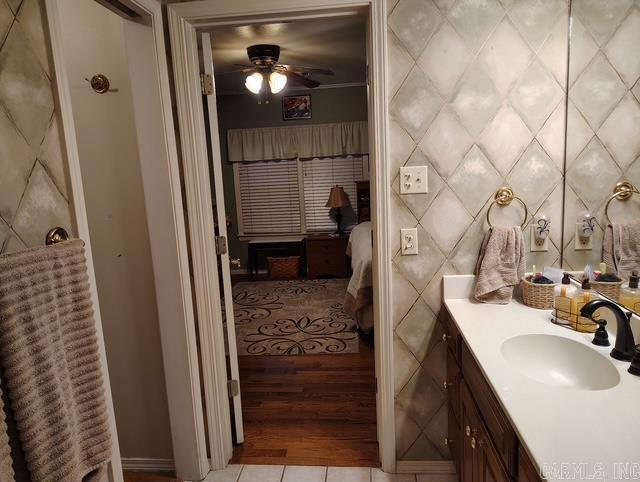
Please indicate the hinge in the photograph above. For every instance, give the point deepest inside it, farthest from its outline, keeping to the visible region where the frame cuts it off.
(206, 82)
(221, 245)
(234, 388)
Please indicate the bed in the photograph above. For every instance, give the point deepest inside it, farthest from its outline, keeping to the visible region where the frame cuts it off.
(358, 301)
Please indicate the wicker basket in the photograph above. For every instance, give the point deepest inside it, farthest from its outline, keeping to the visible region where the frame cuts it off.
(608, 288)
(284, 267)
(537, 295)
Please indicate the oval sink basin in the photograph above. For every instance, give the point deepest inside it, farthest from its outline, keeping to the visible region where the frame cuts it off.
(558, 361)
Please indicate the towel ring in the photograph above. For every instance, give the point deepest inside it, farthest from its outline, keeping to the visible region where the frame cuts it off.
(56, 235)
(504, 196)
(623, 191)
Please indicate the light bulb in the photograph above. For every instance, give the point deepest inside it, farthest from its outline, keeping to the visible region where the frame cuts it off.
(254, 82)
(277, 81)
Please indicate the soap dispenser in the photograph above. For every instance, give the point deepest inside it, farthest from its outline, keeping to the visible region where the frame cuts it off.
(581, 298)
(630, 294)
(563, 295)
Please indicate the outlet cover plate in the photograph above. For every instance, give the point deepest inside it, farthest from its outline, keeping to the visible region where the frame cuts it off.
(582, 244)
(409, 241)
(414, 180)
(535, 247)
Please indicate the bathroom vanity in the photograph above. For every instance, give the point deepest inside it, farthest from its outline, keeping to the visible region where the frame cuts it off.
(528, 397)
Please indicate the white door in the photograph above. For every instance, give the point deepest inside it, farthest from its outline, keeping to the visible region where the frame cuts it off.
(225, 271)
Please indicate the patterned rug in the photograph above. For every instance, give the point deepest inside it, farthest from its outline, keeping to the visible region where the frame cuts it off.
(299, 317)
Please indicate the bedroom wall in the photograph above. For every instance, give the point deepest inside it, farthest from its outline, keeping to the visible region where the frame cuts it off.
(34, 195)
(476, 93)
(240, 111)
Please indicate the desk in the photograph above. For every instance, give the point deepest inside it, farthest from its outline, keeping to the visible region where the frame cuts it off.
(278, 246)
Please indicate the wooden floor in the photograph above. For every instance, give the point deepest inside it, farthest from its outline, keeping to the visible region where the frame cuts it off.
(130, 476)
(309, 409)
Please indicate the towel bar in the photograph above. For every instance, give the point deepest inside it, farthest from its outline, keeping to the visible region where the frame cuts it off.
(623, 191)
(504, 196)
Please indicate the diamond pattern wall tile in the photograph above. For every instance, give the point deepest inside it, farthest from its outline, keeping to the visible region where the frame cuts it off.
(552, 135)
(554, 51)
(416, 104)
(580, 135)
(592, 175)
(535, 96)
(475, 180)
(534, 176)
(423, 449)
(597, 91)
(535, 19)
(419, 203)
(42, 205)
(416, 329)
(505, 56)
(401, 145)
(446, 142)
(52, 158)
(421, 398)
(25, 89)
(438, 429)
(4, 233)
(636, 90)
(445, 59)
(475, 20)
(414, 22)
(601, 18)
(444, 5)
(633, 173)
(583, 49)
(6, 18)
(404, 295)
(476, 99)
(404, 363)
(31, 19)
(505, 139)
(446, 220)
(391, 4)
(15, 5)
(620, 133)
(400, 63)
(465, 254)
(436, 362)
(573, 208)
(433, 292)
(407, 431)
(419, 269)
(622, 50)
(16, 162)
(13, 244)
(553, 208)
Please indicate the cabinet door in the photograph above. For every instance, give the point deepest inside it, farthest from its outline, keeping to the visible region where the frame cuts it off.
(469, 420)
(488, 466)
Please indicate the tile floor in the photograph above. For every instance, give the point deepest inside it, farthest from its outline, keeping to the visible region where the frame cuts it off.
(294, 473)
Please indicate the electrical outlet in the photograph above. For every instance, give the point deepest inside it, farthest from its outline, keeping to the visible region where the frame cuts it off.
(536, 245)
(409, 241)
(582, 243)
(414, 180)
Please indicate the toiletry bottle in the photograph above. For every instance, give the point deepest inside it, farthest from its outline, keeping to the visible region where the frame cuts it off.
(581, 298)
(563, 301)
(630, 294)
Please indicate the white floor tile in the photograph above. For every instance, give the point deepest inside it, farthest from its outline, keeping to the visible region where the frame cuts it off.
(228, 474)
(437, 478)
(297, 473)
(348, 474)
(261, 473)
(378, 475)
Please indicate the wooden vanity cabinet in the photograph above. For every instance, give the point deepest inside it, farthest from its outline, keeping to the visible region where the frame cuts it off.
(483, 444)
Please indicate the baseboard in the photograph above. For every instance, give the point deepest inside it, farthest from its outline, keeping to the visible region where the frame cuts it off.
(158, 465)
(425, 467)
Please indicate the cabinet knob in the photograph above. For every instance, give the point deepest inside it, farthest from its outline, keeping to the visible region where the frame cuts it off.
(445, 337)
(448, 441)
(467, 431)
(447, 385)
(473, 443)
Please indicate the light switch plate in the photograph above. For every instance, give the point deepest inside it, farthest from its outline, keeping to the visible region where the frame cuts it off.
(409, 241)
(535, 247)
(413, 180)
(580, 245)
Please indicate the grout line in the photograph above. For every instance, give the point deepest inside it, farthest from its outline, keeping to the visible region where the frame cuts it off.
(240, 472)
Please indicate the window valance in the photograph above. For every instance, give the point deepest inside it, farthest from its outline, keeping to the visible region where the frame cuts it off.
(304, 142)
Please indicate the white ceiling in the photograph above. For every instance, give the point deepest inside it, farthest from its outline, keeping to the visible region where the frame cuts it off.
(337, 43)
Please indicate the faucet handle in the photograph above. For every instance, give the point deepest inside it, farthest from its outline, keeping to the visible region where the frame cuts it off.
(634, 369)
(601, 337)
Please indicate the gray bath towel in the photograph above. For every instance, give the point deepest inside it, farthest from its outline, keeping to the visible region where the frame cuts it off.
(51, 363)
(621, 248)
(500, 265)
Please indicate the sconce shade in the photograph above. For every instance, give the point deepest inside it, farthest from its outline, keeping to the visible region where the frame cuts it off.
(338, 198)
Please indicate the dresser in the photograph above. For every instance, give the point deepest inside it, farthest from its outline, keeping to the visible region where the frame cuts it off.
(327, 256)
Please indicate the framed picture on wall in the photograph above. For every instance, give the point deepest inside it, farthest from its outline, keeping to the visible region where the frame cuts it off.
(296, 107)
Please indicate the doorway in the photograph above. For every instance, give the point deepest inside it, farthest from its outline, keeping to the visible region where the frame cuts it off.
(186, 20)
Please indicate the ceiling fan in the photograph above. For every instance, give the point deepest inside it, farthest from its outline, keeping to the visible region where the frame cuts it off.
(267, 76)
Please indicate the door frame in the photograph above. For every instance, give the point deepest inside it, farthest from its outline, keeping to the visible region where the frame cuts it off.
(184, 19)
(166, 224)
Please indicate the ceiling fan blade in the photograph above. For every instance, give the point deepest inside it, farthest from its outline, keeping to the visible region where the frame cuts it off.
(311, 70)
(235, 71)
(245, 66)
(301, 79)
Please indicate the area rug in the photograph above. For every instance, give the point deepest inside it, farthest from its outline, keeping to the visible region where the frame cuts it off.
(299, 317)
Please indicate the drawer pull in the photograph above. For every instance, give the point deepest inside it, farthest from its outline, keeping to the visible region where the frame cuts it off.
(447, 385)
(468, 431)
(448, 441)
(473, 443)
(445, 337)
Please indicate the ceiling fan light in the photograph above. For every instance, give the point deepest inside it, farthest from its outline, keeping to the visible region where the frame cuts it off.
(254, 82)
(277, 81)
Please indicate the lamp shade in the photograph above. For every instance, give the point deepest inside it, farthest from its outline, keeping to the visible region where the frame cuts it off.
(338, 198)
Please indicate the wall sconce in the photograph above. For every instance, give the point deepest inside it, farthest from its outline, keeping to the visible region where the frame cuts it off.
(540, 233)
(585, 226)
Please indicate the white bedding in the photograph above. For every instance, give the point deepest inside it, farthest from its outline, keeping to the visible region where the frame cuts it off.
(359, 297)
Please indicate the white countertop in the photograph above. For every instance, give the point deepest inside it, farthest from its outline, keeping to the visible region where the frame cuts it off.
(556, 425)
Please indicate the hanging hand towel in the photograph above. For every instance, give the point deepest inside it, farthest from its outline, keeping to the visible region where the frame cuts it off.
(500, 265)
(51, 361)
(621, 248)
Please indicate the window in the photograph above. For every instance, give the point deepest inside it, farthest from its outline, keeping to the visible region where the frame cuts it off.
(289, 197)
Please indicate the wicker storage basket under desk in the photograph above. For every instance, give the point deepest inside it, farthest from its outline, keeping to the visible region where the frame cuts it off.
(285, 267)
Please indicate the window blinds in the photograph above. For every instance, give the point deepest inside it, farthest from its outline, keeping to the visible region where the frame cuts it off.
(269, 197)
(319, 176)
